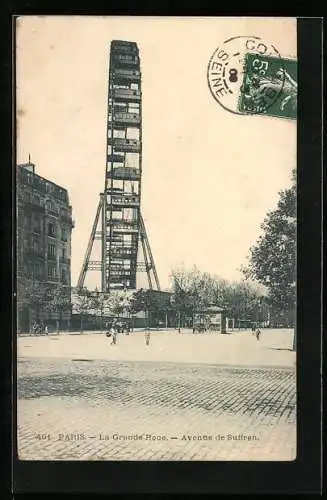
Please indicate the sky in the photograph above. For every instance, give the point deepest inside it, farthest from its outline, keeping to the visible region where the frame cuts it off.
(209, 176)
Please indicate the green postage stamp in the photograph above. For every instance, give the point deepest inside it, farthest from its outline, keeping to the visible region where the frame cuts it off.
(269, 86)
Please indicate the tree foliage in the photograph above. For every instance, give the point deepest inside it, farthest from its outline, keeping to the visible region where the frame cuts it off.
(100, 305)
(194, 291)
(57, 300)
(82, 304)
(31, 293)
(108, 304)
(81, 301)
(153, 302)
(120, 302)
(272, 260)
(39, 295)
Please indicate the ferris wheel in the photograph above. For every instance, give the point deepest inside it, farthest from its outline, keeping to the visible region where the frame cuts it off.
(122, 233)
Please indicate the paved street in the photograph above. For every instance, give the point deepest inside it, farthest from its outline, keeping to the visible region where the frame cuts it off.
(238, 348)
(189, 398)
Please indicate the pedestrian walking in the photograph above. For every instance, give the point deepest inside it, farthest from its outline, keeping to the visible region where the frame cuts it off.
(46, 331)
(113, 331)
(114, 337)
(147, 338)
(258, 333)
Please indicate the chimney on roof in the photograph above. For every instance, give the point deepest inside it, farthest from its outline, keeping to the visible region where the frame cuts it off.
(28, 166)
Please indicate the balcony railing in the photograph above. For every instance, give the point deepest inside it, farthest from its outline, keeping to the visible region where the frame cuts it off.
(120, 274)
(127, 118)
(128, 48)
(115, 158)
(64, 260)
(124, 173)
(34, 253)
(127, 95)
(125, 59)
(124, 224)
(118, 267)
(122, 252)
(54, 213)
(125, 145)
(125, 201)
(53, 279)
(66, 219)
(131, 75)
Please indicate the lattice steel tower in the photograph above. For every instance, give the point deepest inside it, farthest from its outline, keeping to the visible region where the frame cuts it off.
(122, 232)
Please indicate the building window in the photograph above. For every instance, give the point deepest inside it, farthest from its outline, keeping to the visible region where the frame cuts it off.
(38, 271)
(52, 272)
(27, 196)
(37, 247)
(64, 280)
(51, 250)
(64, 252)
(64, 235)
(49, 205)
(27, 222)
(36, 200)
(51, 229)
(36, 224)
(29, 271)
(26, 244)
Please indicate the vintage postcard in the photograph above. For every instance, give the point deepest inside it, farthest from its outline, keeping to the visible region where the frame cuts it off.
(156, 238)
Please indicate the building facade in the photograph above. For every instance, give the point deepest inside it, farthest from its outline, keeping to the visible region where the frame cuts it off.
(44, 227)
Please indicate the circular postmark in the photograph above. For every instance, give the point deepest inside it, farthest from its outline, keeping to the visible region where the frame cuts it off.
(246, 75)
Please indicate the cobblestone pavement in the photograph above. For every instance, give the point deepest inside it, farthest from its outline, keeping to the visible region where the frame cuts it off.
(95, 409)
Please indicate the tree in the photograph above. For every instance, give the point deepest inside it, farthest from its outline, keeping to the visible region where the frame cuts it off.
(58, 300)
(272, 260)
(194, 291)
(113, 303)
(82, 304)
(120, 302)
(101, 303)
(245, 301)
(155, 304)
(31, 295)
(140, 301)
